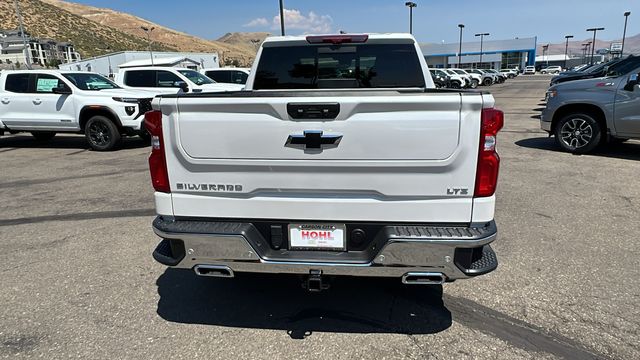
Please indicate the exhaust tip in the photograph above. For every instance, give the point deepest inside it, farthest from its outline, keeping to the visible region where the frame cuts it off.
(213, 271)
(423, 278)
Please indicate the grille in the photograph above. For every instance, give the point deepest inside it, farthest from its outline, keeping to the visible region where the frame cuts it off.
(144, 105)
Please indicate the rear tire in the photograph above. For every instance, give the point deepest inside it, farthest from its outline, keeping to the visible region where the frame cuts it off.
(578, 133)
(474, 84)
(101, 133)
(456, 85)
(43, 135)
(487, 82)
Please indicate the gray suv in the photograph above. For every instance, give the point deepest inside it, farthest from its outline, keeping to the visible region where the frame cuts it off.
(586, 113)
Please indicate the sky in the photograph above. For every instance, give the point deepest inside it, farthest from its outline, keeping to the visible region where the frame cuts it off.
(434, 20)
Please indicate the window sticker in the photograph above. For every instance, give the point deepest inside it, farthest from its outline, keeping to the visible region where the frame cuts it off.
(46, 85)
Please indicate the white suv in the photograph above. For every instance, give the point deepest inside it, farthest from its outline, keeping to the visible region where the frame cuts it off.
(475, 79)
(45, 102)
(552, 70)
(227, 75)
(168, 80)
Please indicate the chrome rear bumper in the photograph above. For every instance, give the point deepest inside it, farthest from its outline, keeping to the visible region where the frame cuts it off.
(456, 252)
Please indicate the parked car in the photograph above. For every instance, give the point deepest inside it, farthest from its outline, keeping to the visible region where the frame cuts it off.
(552, 70)
(227, 75)
(593, 72)
(270, 180)
(586, 113)
(510, 73)
(487, 79)
(475, 78)
(457, 81)
(169, 80)
(501, 77)
(46, 102)
(440, 78)
(530, 70)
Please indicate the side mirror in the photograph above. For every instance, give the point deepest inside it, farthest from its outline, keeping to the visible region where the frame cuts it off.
(61, 90)
(631, 84)
(183, 86)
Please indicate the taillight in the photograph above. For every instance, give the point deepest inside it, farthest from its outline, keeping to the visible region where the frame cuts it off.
(157, 159)
(337, 39)
(488, 160)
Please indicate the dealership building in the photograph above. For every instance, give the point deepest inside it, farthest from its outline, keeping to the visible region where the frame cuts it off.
(495, 54)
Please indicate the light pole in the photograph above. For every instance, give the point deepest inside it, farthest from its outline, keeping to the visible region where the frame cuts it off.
(566, 49)
(481, 43)
(281, 18)
(587, 50)
(148, 31)
(27, 51)
(593, 48)
(411, 5)
(110, 75)
(545, 50)
(624, 34)
(461, 26)
(584, 52)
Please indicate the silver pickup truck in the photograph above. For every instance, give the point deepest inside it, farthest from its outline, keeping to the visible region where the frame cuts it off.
(339, 158)
(583, 114)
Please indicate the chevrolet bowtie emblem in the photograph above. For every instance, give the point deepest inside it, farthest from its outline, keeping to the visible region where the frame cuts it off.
(313, 140)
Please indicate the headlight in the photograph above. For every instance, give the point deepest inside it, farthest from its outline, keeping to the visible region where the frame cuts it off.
(126, 100)
(551, 94)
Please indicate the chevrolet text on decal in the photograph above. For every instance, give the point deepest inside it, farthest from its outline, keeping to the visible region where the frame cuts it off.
(209, 187)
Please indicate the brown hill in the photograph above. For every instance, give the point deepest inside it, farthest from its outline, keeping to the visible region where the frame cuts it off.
(243, 53)
(631, 46)
(47, 21)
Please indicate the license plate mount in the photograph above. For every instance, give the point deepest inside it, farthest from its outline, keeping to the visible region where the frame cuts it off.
(309, 236)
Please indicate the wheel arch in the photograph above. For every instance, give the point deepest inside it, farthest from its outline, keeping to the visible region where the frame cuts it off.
(583, 108)
(90, 111)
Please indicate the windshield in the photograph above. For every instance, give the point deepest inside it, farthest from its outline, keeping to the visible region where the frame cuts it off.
(461, 72)
(624, 67)
(92, 82)
(196, 78)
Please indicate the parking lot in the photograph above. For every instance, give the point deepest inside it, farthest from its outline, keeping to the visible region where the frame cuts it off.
(78, 280)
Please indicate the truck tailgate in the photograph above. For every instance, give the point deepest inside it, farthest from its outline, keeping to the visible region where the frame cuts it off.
(371, 127)
(385, 156)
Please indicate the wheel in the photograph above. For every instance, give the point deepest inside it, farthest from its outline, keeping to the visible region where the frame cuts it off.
(487, 82)
(101, 133)
(455, 85)
(578, 133)
(43, 135)
(474, 83)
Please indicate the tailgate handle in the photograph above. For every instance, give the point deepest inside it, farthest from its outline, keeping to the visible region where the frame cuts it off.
(324, 111)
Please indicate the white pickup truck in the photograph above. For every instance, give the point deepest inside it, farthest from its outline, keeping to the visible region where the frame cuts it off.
(169, 80)
(339, 158)
(46, 102)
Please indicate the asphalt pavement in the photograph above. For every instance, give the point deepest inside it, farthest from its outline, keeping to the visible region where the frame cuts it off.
(77, 279)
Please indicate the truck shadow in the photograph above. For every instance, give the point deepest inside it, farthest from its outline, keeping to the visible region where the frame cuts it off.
(352, 305)
(25, 141)
(625, 151)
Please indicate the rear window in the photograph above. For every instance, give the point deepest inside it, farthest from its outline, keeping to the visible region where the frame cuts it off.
(339, 67)
(18, 83)
(140, 78)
